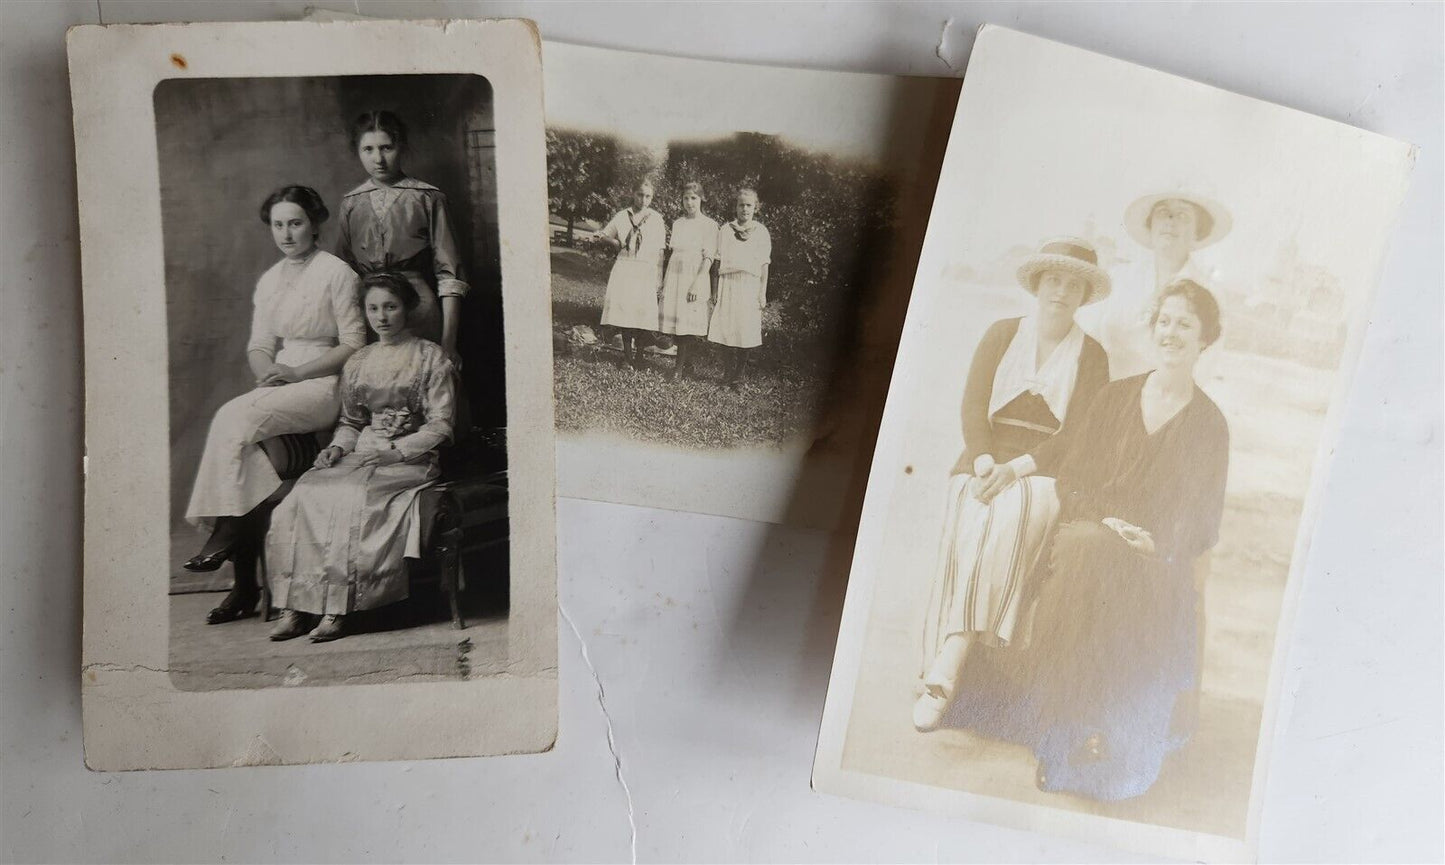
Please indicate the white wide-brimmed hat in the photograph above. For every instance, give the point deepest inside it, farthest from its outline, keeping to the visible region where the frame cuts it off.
(1072, 254)
(1214, 226)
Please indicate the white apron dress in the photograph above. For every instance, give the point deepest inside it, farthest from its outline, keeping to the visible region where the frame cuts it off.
(737, 320)
(305, 310)
(694, 245)
(631, 299)
(337, 543)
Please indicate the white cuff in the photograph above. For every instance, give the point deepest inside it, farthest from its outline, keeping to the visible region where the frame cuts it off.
(1023, 466)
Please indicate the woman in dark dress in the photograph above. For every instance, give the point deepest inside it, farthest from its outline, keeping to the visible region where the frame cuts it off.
(1141, 493)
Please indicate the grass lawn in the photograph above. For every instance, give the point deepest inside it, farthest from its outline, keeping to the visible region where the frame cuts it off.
(775, 405)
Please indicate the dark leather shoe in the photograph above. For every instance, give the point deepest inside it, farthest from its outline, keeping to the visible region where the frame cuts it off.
(211, 562)
(237, 605)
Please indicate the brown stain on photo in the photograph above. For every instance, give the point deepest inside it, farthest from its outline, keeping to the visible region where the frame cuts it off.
(179, 61)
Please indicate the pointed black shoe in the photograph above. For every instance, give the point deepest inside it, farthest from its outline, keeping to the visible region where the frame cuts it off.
(237, 605)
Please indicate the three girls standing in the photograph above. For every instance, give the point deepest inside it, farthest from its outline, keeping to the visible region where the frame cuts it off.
(395, 397)
(742, 252)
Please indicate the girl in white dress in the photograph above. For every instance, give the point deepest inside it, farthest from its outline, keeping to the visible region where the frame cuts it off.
(305, 324)
(630, 304)
(745, 249)
(686, 287)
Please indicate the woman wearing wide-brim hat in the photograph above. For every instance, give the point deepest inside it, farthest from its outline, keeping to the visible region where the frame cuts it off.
(1173, 225)
(1030, 378)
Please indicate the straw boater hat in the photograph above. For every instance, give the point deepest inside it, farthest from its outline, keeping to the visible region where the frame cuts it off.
(1214, 224)
(1073, 254)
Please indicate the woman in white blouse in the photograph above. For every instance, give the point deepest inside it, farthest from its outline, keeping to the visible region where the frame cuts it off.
(306, 322)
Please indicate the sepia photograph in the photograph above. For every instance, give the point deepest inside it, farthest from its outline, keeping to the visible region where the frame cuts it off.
(1120, 375)
(357, 453)
(729, 275)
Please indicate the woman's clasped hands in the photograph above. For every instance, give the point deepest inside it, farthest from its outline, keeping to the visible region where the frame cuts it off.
(1133, 535)
(279, 374)
(993, 478)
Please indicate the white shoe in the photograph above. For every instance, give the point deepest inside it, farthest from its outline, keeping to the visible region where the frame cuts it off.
(928, 711)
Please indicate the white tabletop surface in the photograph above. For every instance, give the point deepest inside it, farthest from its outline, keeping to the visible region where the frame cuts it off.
(711, 639)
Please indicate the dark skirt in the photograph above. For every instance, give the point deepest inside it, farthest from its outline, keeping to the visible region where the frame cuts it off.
(1114, 645)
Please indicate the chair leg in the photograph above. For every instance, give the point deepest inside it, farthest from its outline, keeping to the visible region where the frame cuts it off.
(451, 564)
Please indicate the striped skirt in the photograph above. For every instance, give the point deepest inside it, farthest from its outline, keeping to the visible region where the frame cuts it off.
(985, 560)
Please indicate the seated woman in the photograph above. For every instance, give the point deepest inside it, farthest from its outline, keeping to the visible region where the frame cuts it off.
(338, 542)
(1030, 377)
(304, 326)
(1141, 490)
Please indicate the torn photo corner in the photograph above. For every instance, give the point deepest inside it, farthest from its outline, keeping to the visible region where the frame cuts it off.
(319, 496)
(1138, 308)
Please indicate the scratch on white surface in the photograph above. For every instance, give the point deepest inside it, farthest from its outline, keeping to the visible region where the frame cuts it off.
(611, 740)
(258, 753)
(945, 49)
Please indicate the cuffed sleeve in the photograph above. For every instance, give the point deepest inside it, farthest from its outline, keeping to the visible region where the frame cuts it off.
(439, 406)
(263, 335)
(446, 258)
(354, 414)
(346, 307)
(1022, 466)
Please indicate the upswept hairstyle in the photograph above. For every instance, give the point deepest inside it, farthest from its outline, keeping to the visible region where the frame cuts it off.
(379, 121)
(399, 286)
(303, 196)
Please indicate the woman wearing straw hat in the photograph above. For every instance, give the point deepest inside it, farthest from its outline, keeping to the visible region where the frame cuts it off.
(1029, 379)
(1173, 225)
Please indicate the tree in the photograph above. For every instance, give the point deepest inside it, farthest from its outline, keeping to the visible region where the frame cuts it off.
(580, 169)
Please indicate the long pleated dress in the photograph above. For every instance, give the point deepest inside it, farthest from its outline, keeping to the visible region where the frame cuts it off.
(1116, 641)
(300, 311)
(404, 228)
(337, 543)
(693, 246)
(743, 252)
(988, 552)
(631, 298)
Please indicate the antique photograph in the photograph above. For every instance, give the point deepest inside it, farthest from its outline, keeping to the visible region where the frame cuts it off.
(1121, 371)
(358, 456)
(338, 464)
(729, 275)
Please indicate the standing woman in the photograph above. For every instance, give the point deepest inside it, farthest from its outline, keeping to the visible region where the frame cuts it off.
(1142, 493)
(338, 542)
(744, 250)
(686, 285)
(305, 324)
(1172, 226)
(1031, 380)
(630, 305)
(397, 223)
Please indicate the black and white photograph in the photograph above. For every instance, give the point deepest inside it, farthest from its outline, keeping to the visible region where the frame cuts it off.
(338, 463)
(1119, 376)
(729, 274)
(352, 427)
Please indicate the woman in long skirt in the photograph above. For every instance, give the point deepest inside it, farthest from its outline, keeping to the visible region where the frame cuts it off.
(745, 249)
(686, 287)
(305, 323)
(630, 305)
(1031, 380)
(339, 541)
